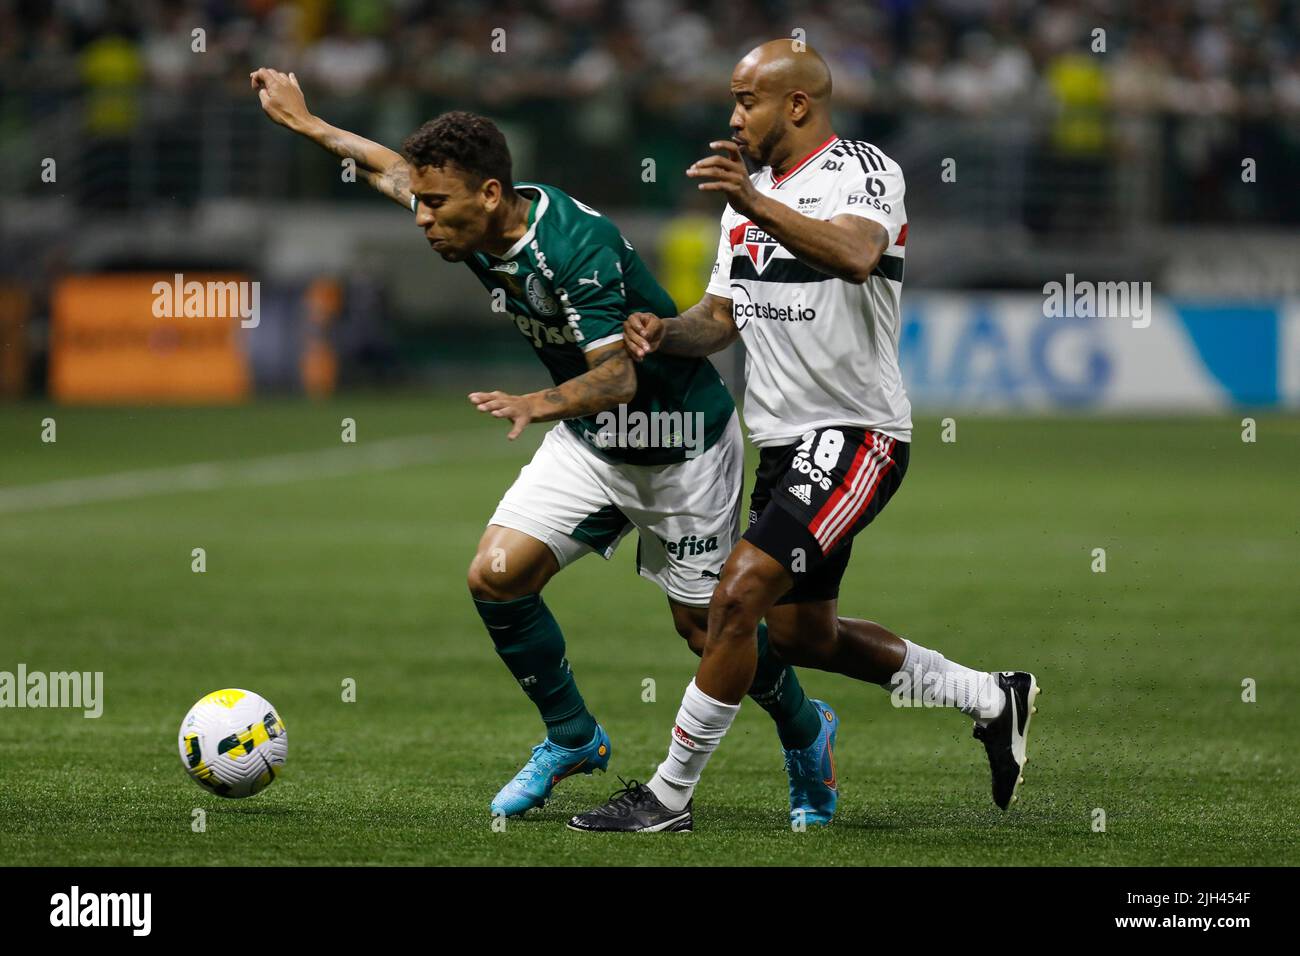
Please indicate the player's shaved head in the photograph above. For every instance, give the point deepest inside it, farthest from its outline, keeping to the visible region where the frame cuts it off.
(779, 68)
(783, 93)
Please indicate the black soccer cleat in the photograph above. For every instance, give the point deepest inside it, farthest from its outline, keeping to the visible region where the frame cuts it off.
(634, 809)
(1005, 738)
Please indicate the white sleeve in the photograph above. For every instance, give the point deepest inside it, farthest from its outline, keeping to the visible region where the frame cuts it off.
(876, 195)
(720, 281)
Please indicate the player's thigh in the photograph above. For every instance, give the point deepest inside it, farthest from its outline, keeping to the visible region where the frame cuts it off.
(510, 564)
(688, 517)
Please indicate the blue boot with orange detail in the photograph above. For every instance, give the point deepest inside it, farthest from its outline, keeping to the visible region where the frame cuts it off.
(549, 764)
(814, 789)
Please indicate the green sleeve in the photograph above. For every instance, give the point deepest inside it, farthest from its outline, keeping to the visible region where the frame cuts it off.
(591, 291)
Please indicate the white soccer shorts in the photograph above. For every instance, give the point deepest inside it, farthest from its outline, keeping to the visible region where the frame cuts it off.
(687, 513)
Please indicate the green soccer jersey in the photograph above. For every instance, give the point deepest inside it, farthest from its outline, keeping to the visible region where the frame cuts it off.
(569, 284)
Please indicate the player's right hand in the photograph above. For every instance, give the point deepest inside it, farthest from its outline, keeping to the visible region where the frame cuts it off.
(281, 97)
(643, 333)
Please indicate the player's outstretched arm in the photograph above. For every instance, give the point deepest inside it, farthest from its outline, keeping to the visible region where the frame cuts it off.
(282, 100)
(703, 329)
(610, 380)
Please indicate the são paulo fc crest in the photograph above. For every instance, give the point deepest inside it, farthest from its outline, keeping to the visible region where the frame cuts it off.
(538, 297)
(757, 244)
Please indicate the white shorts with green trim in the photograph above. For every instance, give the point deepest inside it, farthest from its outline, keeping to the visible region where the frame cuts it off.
(687, 514)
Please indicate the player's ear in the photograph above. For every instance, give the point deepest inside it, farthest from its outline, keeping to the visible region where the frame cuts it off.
(798, 106)
(490, 193)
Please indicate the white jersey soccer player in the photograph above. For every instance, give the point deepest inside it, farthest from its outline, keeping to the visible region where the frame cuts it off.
(810, 274)
(820, 350)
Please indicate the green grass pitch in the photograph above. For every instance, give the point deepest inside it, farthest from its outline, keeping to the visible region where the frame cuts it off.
(321, 568)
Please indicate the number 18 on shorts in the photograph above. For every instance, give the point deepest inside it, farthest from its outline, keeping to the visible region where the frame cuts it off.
(825, 489)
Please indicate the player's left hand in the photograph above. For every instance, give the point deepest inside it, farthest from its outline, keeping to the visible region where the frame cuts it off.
(727, 174)
(517, 408)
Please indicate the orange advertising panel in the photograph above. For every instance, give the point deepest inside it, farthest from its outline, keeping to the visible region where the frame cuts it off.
(149, 337)
(14, 306)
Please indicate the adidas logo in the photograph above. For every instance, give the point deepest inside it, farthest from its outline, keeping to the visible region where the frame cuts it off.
(802, 492)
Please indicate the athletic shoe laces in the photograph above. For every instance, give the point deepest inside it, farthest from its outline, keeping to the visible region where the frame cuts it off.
(628, 797)
(803, 763)
(535, 768)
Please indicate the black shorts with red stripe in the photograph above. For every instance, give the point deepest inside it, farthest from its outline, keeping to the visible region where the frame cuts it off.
(812, 497)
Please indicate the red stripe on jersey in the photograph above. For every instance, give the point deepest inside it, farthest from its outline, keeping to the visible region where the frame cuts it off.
(778, 180)
(833, 501)
(902, 236)
(860, 506)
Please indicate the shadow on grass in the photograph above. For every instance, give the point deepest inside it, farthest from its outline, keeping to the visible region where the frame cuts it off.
(727, 819)
(261, 810)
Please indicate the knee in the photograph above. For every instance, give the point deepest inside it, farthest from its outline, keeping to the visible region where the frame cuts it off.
(737, 610)
(489, 581)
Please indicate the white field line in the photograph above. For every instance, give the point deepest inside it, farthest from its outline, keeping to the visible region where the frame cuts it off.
(384, 455)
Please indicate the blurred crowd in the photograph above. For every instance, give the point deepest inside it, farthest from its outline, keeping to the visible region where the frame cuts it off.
(1066, 111)
(967, 57)
(1080, 124)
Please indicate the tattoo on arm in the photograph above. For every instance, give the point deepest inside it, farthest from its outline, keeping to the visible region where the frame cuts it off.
(610, 380)
(382, 168)
(342, 144)
(394, 182)
(697, 332)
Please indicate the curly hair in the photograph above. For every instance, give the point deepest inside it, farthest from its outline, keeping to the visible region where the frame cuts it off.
(471, 142)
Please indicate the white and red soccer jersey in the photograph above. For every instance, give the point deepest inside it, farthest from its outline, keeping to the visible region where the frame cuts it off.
(820, 351)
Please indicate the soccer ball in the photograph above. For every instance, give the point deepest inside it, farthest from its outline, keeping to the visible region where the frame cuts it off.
(233, 743)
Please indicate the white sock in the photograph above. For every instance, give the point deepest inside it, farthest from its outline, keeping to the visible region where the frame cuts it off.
(975, 693)
(701, 724)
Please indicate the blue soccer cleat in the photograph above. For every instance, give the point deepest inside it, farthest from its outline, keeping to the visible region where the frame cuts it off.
(813, 787)
(549, 764)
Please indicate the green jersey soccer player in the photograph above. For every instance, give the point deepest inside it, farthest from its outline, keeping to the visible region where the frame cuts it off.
(655, 446)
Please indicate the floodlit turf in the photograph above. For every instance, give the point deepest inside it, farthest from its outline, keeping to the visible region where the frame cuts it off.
(356, 569)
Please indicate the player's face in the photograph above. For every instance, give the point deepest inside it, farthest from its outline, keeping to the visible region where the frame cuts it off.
(758, 122)
(452, 210)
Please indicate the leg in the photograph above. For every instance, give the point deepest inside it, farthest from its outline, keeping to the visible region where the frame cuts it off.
(808, 632)
(795, 525)
(557, 511)
(751, 583)
(776, 686)
(692, 624)
(506, 578)
(813, 541)
(811, 634)
(509, 565)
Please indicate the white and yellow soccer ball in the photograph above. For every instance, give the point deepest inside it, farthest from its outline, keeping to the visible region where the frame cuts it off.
(233, 743)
